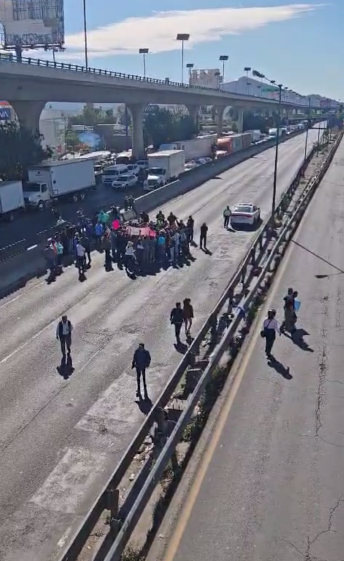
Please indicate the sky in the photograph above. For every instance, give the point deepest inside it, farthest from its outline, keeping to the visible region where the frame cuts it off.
(300, 45)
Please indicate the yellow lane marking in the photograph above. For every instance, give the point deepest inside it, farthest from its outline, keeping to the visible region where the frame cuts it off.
(185, 515)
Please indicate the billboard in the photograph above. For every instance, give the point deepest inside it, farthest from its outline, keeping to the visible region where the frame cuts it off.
(32, 23)
(5, 114)
(206, 78)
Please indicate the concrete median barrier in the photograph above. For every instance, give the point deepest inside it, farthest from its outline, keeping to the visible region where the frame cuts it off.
(192, 179)
(16, 272)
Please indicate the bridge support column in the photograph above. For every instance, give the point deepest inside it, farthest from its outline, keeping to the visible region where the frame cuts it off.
(240, 120)
(136, 111)
(193, 112)
(28, 113)
(219, 119)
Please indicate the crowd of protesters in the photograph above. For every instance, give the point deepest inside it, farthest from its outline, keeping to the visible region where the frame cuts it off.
(137, 245)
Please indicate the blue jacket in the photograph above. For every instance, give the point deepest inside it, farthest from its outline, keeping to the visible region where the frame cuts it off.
(141, 358)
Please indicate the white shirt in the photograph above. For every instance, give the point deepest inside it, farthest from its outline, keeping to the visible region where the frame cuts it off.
(80, 250)
(130, 251)
(271, 324)
(227, 212)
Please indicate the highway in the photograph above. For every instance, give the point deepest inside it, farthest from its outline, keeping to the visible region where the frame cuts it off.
(33, 222)
(270, 484)
(60, 439)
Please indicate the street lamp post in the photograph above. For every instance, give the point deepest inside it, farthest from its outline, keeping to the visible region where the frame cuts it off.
(182, 37)
(218, 75)
(257, 74)
(190, 66)
(308, 123)
(223, 59)
(247, 69)
(274, 187)
(144, 52)
(85, 35)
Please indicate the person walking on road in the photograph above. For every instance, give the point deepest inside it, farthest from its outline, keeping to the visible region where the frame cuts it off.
(226, 216)
(203, 236)
(188, 315)
(270, 328)
(141, 361)
(177, 319)
(64, 335)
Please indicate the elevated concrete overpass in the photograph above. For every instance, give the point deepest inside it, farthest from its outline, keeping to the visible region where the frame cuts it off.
(28, 85)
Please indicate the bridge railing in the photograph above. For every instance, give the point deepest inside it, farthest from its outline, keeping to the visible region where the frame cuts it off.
(11, 58)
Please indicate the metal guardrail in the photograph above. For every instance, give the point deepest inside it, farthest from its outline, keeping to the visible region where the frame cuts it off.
(259, 244)
(11, 58)
(166, 453)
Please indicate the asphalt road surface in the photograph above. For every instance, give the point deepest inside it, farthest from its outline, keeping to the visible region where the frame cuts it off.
(60, 439)
(270, 486)
(33, 222)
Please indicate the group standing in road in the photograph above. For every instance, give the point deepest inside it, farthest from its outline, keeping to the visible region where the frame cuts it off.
(271, 327)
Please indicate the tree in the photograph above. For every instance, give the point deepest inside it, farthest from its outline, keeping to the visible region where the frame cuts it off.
(19, 149)
(72, 140)
(123, 116)
(158, 126)
(254, 121)
(92, 116)
(161, 126)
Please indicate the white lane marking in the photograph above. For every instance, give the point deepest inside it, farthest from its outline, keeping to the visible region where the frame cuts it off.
(66, 487)
(64, 538)
(114, 409)
(11, 301)
(21, 347)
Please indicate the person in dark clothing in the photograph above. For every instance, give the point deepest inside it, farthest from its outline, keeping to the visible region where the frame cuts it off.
(203, 236)
(115, 213)
(177, 319)
(171, 218)
(141, 361)
(121, 243)
(188, 315)
(106, 244)
(64, 334)
(85, 242)
(190, 227)
(131, 201)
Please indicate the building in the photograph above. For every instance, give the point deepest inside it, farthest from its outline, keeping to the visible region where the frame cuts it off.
(52, 126)
(6, 113)
(250, 86)
(206, 78)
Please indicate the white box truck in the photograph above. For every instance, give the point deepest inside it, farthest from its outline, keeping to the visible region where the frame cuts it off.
(11, 199)
(64, 179)
(164, 167)
(199, 147)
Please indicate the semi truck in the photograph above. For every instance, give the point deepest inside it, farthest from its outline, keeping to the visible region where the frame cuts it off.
(58, 180)
(11, 199)
(164, 167)
(199, 147)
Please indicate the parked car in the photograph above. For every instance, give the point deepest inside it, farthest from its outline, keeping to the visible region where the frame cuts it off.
(124, 181)
(245, 214)
(133, 169)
